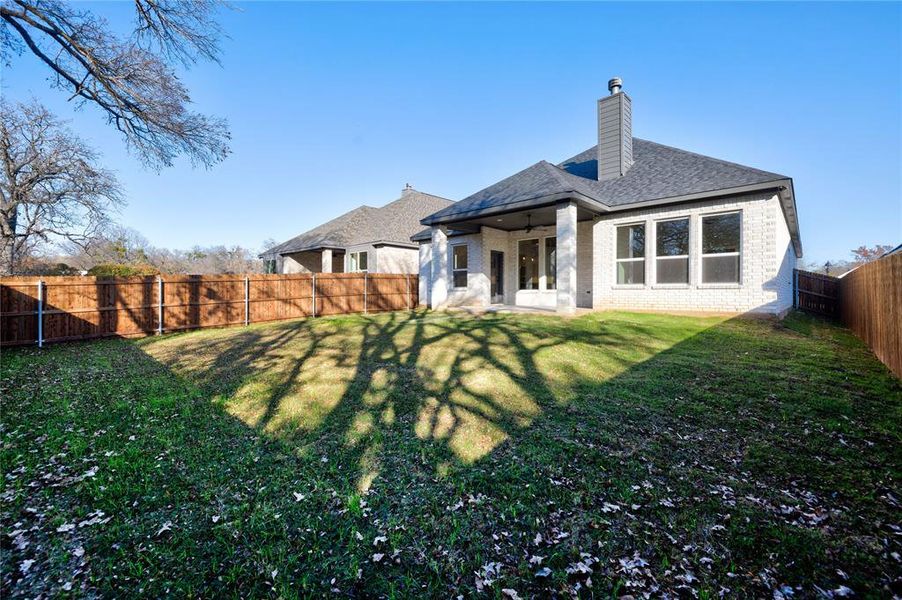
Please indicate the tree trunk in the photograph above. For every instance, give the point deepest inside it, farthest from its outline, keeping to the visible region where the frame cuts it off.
(8, 224)
(7, 255)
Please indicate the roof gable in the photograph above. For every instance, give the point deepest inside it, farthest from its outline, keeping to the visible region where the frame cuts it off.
(393, 223)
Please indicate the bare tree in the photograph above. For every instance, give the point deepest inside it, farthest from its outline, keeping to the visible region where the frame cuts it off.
(50, 188)
(865, 254)
(130, 80)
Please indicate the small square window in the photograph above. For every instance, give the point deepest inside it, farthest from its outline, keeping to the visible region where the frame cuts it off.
(358, 262)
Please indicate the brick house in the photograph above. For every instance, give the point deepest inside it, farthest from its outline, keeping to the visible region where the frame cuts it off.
(628, 224)
(368, 238)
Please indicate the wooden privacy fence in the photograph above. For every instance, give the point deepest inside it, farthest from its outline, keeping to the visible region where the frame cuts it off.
(53, 309)
(815, 292)
(870, 304)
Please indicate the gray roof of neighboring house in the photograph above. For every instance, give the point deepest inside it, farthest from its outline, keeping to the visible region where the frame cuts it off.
(659, 174)
(391, 224)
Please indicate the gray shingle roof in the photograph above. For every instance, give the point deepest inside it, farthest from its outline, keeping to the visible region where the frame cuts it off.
(393, 223)
(658, 172)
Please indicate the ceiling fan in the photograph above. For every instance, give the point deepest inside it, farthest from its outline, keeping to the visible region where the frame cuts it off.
(528, 222)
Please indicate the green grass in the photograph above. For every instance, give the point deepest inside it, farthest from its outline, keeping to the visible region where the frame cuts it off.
(431, 454)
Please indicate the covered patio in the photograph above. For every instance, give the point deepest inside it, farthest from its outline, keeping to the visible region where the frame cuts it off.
(314, 260)
(532, 256)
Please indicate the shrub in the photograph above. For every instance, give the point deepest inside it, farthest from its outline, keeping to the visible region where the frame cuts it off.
(123, 270)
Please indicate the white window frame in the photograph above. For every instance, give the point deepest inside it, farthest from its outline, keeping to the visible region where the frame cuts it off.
(686, 256)
(354, 258)
(455, 269)
(702, 255)
(617, 261)
(539, 267)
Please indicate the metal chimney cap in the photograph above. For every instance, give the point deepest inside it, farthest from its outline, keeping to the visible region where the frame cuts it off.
(614, 85)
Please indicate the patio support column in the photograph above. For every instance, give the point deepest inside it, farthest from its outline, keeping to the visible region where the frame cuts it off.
(566, 256)
(439, 294)
(327, 260)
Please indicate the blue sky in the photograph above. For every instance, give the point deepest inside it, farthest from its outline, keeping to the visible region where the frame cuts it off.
(336, 105)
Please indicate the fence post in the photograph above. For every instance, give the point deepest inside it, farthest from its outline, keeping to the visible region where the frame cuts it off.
(795, 287)
(160, 304)
(365, 280)
(247, 301)
(314, 295)
(40, 313)
(407, 288)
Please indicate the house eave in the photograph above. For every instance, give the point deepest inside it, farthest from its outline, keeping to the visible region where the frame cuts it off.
(382, 243)
(536, 202)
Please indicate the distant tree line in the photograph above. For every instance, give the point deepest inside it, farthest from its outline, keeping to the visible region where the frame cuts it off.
(123, 252)
(859, 256)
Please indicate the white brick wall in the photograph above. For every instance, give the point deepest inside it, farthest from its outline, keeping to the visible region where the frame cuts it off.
(392, 259)
(477, 291)
(766, 263)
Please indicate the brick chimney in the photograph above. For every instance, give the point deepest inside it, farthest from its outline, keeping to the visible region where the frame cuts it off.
(615, 132)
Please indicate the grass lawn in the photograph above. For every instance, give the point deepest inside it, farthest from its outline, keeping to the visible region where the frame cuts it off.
(431, 454)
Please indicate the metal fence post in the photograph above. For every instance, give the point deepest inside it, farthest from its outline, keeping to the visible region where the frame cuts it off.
(160, 305)
(40, 313)
(247, 301)
(365, 280)
(314, 294)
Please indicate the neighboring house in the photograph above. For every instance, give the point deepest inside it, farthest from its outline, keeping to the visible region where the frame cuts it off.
(626, 224)
(367, 238)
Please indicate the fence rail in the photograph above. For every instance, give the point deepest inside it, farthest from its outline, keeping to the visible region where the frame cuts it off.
(35, 310)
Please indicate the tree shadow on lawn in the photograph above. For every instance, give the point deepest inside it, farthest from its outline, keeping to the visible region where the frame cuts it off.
(412, 398)
(639, 452)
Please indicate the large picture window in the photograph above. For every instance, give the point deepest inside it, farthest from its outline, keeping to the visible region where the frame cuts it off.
(459, 256)
(631, 254)
(528, 264)
(721, 248)
(358, 262)
(550, 263)
(672, 251)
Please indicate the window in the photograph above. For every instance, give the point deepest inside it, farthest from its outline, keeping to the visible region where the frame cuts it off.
(528, 264)
(358, 262)
(631, 254)
(550, 263)
(720, 248)
(459, 265)
(270, 265)
(672, 256)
